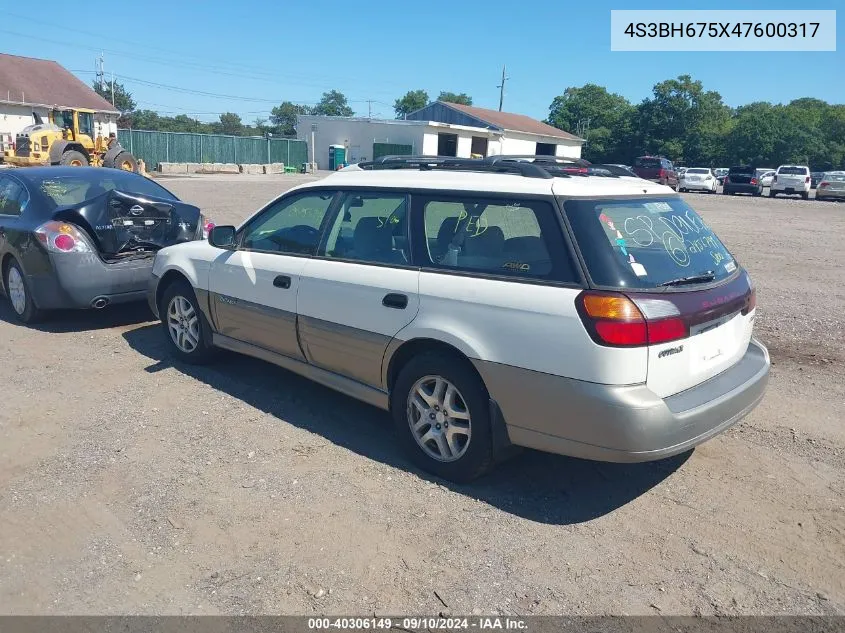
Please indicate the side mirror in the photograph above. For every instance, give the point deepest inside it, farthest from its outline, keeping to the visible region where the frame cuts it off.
(222, 237)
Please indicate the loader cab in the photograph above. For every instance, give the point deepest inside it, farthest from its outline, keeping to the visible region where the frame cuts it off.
(76, 124)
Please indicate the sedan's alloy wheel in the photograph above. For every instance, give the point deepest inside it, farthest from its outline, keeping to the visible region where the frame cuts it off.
(17, 290)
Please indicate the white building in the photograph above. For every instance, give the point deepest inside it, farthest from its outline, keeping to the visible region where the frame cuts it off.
(439, 129)
(29, 85)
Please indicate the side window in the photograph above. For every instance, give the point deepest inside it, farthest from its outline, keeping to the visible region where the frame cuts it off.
(518, 238)
(292, 225)
(370, 227)
(13, 196)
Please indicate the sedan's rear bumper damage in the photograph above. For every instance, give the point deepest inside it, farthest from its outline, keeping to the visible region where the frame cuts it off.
(83, 280)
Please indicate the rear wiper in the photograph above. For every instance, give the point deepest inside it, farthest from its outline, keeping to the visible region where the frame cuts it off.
(707, 275)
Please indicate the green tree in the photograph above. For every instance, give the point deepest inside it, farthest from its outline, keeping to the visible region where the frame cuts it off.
(606, 116)
(283, 117)
(412, 101)
(230, 123)
(683, 122)
(453, 97)
(123, 101)
(333, 103)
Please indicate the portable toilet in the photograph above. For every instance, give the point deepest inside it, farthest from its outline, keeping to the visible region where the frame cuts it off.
(337, 156)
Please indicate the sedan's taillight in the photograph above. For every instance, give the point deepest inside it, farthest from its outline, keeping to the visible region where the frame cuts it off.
(726, 180)
(61, 237)
(753, 181)
(614, 320)
(823, 184)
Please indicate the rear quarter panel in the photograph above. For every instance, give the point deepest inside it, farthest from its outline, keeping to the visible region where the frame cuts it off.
(526, 325)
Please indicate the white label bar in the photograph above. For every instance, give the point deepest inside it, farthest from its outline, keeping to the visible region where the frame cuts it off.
(745, 30)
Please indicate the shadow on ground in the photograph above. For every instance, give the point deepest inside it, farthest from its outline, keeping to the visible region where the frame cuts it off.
(537, 486)
(61, 321)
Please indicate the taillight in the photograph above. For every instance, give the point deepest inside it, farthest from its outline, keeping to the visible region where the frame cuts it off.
(61, 237)
(806, 179)
(206, 229)
(753, 181)
(824, 183)
(615, 320)
(726, 180)
(752, 302)
(662, 173)
(775, 178)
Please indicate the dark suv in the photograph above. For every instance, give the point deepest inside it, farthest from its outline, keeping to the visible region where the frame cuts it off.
(742, 179)
(657, 169)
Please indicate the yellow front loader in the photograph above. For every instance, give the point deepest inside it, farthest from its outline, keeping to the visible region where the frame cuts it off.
(67, 139)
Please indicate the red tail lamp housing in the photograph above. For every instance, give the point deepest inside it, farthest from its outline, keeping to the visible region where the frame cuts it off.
(615, 320)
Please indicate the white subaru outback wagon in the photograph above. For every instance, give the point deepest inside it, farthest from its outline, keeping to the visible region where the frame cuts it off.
(486, 304)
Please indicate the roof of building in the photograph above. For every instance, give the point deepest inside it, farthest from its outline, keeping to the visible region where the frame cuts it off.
(455, 113)
(508, 183)
(43, 82)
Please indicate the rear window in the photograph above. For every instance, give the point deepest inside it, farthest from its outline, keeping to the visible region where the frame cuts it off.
(69, 190)
(835, 177)
(794, 171)
(648, 163)
(697, 171)
(646, 242)
(741, 169)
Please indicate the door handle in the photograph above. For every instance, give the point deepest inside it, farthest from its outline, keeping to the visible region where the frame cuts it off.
(282, 281)
(394, 300)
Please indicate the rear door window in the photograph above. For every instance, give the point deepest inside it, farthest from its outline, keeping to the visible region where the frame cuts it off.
(646, 243)
(514, 238)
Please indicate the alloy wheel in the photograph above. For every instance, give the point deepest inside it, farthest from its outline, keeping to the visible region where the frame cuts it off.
(17, 290)
(439, 418)
(183, 324)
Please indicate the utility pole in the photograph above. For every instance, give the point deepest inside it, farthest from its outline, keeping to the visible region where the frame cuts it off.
(112, 90)
(501, 88)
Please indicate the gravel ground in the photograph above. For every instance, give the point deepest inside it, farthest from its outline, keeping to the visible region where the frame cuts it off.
(132, 485)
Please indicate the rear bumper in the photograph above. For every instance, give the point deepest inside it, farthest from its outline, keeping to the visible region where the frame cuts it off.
(622, 423)
(742, 188)
(701, 185)
(78, 279)
(832, 194)
(790, 189)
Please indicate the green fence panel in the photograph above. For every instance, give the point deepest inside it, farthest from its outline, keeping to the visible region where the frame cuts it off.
(391, 149)
(181, 147)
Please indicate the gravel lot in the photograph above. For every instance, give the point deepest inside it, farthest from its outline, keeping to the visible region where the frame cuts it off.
(129, 484)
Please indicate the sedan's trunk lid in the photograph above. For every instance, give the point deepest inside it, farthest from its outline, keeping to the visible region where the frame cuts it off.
(121, 222)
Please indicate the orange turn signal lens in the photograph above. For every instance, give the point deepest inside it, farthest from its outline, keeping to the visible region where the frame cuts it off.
(614, 308)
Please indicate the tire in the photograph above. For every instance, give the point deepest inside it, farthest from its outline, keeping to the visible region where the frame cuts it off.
(805, 195)
(17, 291)
(126, 162)
(772, 193)
(179, 303)
(471, 398)
(74, 159)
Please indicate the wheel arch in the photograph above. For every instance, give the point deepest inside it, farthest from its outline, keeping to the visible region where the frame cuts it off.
(58, 148)
(400, 352)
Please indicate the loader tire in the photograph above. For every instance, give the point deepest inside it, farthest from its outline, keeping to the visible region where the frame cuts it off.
(74, 159)
(126, 162)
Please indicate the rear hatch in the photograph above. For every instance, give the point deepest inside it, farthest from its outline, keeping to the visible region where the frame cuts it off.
(742, 176)
(694, 305)
(122, 223)
(648, 168)
(794, 177)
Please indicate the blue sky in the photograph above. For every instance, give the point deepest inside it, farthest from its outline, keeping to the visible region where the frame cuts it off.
(260, 53)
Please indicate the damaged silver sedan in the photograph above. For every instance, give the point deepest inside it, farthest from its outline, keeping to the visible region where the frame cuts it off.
(74, 237)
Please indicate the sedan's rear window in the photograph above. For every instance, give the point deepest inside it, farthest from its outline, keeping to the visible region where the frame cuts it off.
(648, 163)
(69, 190)
(794, 171)
(835, 177)
(646, 242)
(741, 169)
(697, 171)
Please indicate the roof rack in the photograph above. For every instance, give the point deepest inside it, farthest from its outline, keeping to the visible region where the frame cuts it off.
(528, 165)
